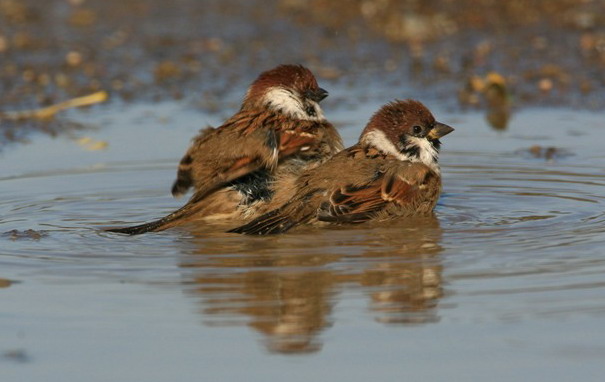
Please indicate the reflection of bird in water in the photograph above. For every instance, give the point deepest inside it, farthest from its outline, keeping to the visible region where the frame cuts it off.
(283, 290)
(406, 280)
(286, 287)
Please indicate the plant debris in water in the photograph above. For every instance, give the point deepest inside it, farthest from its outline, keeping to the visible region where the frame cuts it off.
(16, 355)
(548, 153)
(48, 112)
(28, 234)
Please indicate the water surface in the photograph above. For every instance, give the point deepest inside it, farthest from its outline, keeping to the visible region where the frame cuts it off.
(505, 282)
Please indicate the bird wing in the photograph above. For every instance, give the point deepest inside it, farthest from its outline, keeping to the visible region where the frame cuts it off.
(399, 184)
(220, 157)
(291, 142)
(299, 137)
(249, 141)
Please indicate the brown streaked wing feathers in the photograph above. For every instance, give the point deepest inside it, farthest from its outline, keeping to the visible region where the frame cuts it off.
(296, 134)
(290, 142)
(214, 169)
(398, 190)
(250, 129)
(352, 204)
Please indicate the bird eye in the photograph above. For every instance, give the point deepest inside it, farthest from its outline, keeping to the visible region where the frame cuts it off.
(417, 129)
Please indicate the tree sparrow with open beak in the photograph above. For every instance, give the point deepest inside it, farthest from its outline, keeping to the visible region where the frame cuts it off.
(391, 172)
(245, 164)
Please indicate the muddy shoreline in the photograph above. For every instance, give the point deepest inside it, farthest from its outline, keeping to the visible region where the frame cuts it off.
(548, 52)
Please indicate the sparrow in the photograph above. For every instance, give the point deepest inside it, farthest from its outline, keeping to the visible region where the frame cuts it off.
(392, 172)
(244, 164)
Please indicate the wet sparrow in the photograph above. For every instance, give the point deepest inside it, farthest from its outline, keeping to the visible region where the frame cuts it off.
(244, 165)
(391, 172)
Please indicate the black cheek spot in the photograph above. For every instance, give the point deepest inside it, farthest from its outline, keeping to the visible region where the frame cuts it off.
(412, 151)
(310, 110)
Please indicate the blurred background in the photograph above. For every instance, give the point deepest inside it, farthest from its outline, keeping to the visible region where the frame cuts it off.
(495, 55)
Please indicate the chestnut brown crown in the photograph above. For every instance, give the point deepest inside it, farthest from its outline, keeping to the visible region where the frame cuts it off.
(289, 89)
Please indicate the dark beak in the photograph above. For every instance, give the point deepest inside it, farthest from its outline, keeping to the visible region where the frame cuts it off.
(316, 95)
(439, 130)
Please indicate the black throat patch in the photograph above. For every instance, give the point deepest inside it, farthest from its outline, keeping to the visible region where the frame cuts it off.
(413, 151)
(410, 150)
(436, 143)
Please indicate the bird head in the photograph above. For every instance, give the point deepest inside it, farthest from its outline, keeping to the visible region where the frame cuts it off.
(288, 89)
(406, 130)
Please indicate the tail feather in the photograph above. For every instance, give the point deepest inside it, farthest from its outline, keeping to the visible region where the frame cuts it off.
(153, 226)
(157, 225)
(271, 223)
(185, 178)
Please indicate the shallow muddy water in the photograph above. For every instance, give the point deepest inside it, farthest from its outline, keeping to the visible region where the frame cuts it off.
(504, 283)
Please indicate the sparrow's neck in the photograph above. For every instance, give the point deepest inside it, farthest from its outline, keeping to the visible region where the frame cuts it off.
(412, 150)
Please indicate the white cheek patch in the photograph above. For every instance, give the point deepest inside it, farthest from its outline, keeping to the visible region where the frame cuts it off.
(285, 101)
(379, 140)
(427, 154)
